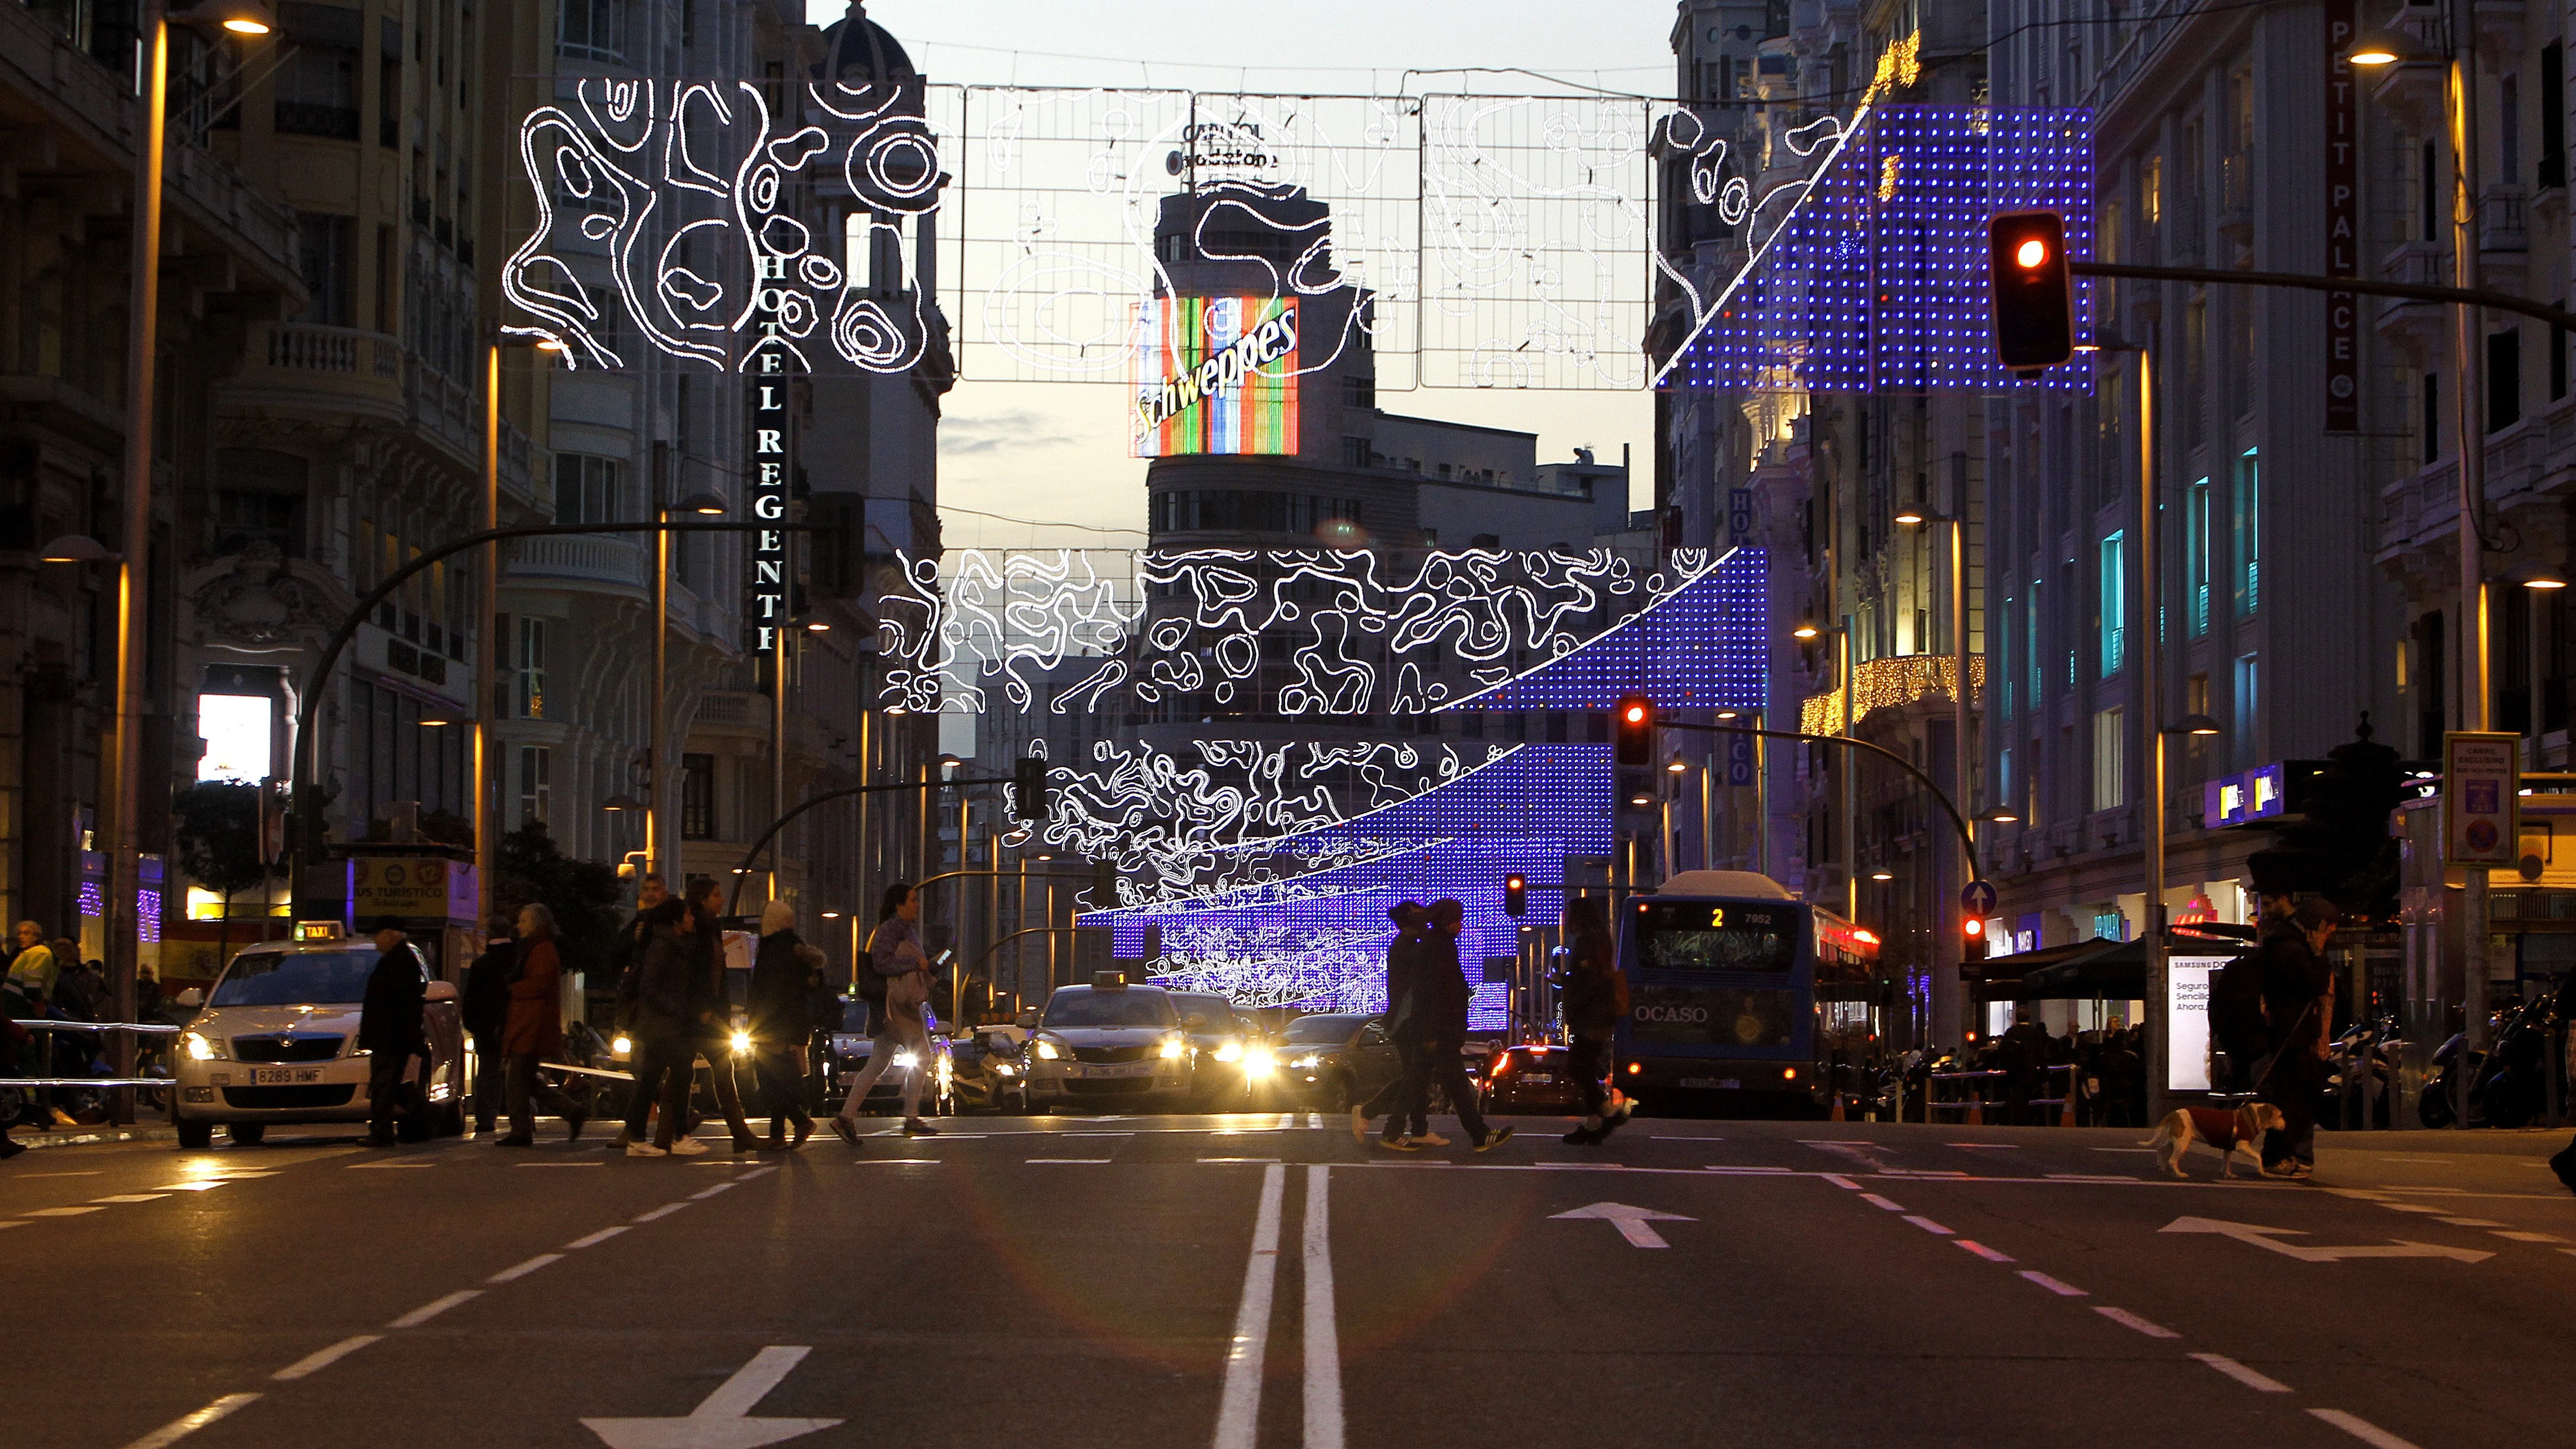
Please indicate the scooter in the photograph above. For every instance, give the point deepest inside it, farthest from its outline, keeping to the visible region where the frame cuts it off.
(2513, 1083)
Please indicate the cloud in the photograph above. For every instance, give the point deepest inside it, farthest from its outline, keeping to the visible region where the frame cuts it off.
(1019, 428)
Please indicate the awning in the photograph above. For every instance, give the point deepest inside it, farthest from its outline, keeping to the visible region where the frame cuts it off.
(2094, 970)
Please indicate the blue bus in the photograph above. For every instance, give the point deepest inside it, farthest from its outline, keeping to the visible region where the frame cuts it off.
(1739, 992)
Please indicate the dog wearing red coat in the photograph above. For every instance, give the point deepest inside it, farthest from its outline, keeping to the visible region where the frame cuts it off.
(2229, 1132)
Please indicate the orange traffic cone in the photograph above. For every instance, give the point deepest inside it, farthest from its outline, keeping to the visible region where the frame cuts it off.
(1836, 1115)
(1976, 1112)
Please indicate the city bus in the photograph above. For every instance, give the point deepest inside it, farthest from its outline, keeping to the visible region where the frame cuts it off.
(1741, 995)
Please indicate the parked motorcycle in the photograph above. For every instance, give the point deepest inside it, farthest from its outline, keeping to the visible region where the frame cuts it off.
(2512, 1086)
(2362, 1063)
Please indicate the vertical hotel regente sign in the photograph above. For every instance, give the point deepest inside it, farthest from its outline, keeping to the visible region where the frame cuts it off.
(770, 459)
(1215, 375)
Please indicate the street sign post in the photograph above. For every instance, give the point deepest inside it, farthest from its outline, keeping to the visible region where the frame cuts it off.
(1977, 898)
(2481, 776)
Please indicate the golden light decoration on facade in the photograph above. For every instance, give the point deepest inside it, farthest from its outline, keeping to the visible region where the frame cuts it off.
(1889, 683)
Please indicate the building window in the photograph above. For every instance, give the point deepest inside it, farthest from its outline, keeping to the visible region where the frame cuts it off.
(2504, 379)
(2112, 622)
(2553, 115)
(697, 797)
(1359, 392)
(532, 668)
(2195, 554)
(2432, 418)
(317, 91)
(536, 787)
(2245, 531)
(2110, 758)
(326, 256)
(589, 490)
(2030, 621)
(592, 30)
(2249, 679)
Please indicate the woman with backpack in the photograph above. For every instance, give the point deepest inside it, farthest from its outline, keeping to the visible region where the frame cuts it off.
(896, 957)
(1592, 989)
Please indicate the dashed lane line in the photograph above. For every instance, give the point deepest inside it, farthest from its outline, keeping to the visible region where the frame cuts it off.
(1926, 1224)
(1838, 1180)
(1069, 1161)
(313, 1363)
(2362, 1429)
(132, 1197)
(60, 1212)
(2126, 1319)
(2259, 1382)
(517, 1271)
(435, 1307)
(659, 1213)
(2470, 1222)
(180, 1428)
(702, 1194)
(593, 1240)
(1886, 1204)
(1982, 1251)
(2057, 1286)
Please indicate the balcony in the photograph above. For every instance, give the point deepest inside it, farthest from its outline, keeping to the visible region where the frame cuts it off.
(1890, 683)
(606, 560)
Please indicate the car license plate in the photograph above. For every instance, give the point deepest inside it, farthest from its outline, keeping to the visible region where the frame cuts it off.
(1538, 1077)
(283, 1076)
(1131, 1069)
(1725, 1084)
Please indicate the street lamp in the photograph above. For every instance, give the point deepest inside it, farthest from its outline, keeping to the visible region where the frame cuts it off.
(621, 802)
(2001, 815)
(1805, 631)
(2536, 576)
(2197, 725)
(78, 548)
(142, 345)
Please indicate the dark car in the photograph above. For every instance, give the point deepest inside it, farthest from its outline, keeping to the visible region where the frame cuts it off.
(851, 1047)
(1337, 1059)
(1225, 1049)
(1531, 1078)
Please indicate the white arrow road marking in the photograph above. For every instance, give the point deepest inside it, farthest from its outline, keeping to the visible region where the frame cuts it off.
(720, 1422)
(2263, 1237)
(1631, 1222)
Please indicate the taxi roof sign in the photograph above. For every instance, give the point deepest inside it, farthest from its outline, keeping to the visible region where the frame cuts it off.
(318, 931)
(1108, 980)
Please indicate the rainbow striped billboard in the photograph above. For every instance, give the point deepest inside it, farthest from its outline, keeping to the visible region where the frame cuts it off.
(1215, 375)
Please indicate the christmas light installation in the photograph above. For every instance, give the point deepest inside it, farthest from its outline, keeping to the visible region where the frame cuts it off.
(1354, 632)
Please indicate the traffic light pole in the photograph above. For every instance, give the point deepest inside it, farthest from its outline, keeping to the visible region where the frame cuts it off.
(1967, 837)
(742, 872)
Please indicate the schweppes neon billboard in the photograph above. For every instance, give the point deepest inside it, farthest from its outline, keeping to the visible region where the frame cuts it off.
(1215, 375)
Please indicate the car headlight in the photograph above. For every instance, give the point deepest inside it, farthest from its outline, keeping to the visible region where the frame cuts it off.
(1173, 1047)
(906, 1059)
(1047, 1051)
(1004, 1069)
(1308, 1062)
(623, 1046)
(1230, 1052)
(201, 1048)
(1259, 1062)
(741, 1042)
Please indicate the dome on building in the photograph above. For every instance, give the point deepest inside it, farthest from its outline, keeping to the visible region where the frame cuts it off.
(857, 51)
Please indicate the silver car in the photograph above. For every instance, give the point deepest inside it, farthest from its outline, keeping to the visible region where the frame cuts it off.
(1110, 1046)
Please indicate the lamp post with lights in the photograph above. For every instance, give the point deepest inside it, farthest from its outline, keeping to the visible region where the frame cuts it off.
(488, 612)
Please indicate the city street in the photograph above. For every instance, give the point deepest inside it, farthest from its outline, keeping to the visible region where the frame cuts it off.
(1260, 1280)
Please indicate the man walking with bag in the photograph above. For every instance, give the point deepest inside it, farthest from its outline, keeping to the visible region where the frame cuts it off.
(1404, 1117)
(1442, 1026)
(896, 956)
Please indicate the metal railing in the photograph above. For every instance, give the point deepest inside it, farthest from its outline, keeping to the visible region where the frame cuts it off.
(46, 1083)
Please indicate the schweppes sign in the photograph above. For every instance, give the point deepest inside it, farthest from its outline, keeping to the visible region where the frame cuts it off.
(1216, 375)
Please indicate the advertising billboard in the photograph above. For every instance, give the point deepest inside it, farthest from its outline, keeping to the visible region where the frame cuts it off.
(1215, 375)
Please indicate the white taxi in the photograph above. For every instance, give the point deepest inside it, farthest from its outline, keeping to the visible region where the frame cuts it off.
(277, 1042)
(1109, 1045)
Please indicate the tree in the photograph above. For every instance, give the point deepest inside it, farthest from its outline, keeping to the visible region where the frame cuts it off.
(217, 838)
(583, 894)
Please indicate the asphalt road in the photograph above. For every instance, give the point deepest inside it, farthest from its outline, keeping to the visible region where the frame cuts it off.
(1261, 1281)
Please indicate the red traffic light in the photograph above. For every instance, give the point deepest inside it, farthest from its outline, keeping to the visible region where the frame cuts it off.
(1633, 725)
(1974, 927)
(1972, 938)
(2034, 298)
(1515, 894)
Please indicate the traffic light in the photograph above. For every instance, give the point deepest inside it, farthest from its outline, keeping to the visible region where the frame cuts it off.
(1632, 729)
(1515, 895)
(1972, 939)
(1029, 788)
(2034, 297)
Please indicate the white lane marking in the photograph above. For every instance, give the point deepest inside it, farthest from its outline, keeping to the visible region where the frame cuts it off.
(12, 1224)
(1838, 1180)
(2057, 1286)
(721, 1420)
(1315, 1121)
(317, 1361)
(896, 1162)
(1323, 1336)
(2410, 1207)
(1682, 1137)
(702, 1194)
(132, 1197)
(200, 1185)
(593, 1240)
(61, 1212)
(2258, 1382)
(1633, 1223)
(86, 1172)
(2126, 1319)
(2362, 1429)
(1926, 1224)
(1712, 1167)
(1086, 1134)
(432, 1309)
(1874, 1200)
(2531, 1237)
(180, 1428)
(757, 1172)
(559, 1164)
(517, 1271)
(2454, 1222)
(1238, 1159)
(378, 1166)
(1070, 1161)
(1982, 1251)
(2122, 1149)
(2007, 1146)
(659, 1213)
(2266, 1238)
(1239, 1408)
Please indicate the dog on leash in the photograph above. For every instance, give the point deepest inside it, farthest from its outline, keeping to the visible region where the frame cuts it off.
(2229, 1132)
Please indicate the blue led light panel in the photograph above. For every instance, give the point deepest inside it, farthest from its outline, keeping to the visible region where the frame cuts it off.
(1705, 646)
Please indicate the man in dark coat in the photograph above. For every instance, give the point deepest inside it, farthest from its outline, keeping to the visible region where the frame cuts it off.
(485, 1010)
(391, 1030)
(1400, 1100)
(782, 975)
(1444, 993)
(714, 1030)
(2298, 1001)
(2023, 1050)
